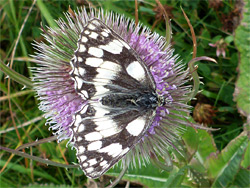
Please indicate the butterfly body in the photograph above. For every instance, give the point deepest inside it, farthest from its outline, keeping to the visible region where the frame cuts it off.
(120, 94)
(140, 101)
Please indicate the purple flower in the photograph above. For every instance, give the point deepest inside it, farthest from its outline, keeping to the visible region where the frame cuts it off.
(60, 101)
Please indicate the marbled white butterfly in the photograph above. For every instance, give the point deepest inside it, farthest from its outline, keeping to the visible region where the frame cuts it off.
(120, 95)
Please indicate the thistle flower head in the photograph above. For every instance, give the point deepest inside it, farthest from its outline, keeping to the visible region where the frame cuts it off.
(60, 100)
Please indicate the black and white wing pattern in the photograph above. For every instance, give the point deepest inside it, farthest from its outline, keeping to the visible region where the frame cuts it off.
(103, 136)
(111, 78)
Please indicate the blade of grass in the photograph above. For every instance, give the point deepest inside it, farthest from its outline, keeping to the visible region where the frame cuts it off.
(15, 76)
(45, 12)
(11, 64)
(17, 94)
(24, 170)
(22, 125)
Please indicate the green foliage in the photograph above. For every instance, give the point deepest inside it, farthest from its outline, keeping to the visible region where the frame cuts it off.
(147, 175)
(207, 159)
(47, 186)
(242, 40)
(223, 167)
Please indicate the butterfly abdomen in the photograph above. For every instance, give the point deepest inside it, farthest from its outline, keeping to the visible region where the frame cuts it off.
(136, 100)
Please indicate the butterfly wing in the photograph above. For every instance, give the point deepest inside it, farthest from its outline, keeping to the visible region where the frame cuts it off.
(102, 136)
(105, 64)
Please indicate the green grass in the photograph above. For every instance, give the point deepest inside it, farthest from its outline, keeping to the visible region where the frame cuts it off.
(219, 79)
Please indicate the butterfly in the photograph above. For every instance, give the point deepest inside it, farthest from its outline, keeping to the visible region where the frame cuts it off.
(120, 98)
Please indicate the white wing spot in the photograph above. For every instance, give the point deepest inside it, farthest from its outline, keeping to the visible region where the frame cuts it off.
(84, 39)
(135, 70)
(85, 164)
(87, 32)
(107, 30)
(82, 48)
(84, 109)
(79, 82)
(81, 71)
(95, 22)
(79, 139)
(105, 34)
(94, 62)
(124, 151)
(100, 90)
(125, 44)
(136, 126)
(90, 169)
(100, 112)
(111, 66)
(103, 163)
(110, 132)
(112, 47)
(95, 51)
(85, 93)
(79, 59)
(93, 35)
(117, 42)
(105, 74)
(112, 149)
(81, 149)
(93, 136)
(91, 26)
(105, 123)
(78, 120)
(92, 162)
(95, 145)
(81, 128)
(83, 158)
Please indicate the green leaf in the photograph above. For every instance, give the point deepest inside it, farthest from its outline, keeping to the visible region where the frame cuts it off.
(147, 175)
(216, 38)
(191, 139)
(47, 186)
(229, 39)
(242, 40)
(200, 143)
(175, 179)
(246, 159)
(225, 165)
(242, 178)
(197, 176)
(206, 145)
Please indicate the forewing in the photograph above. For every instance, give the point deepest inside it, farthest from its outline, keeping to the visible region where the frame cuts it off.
(105, 63)
(102, 136)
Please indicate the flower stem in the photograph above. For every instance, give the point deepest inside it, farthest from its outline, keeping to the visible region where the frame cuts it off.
(45, 161)
(167, 165)
(194, 74)
(45, 140)
(117, 180)
(167, 22)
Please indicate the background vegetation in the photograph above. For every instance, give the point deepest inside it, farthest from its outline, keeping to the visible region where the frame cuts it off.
(217, 159)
